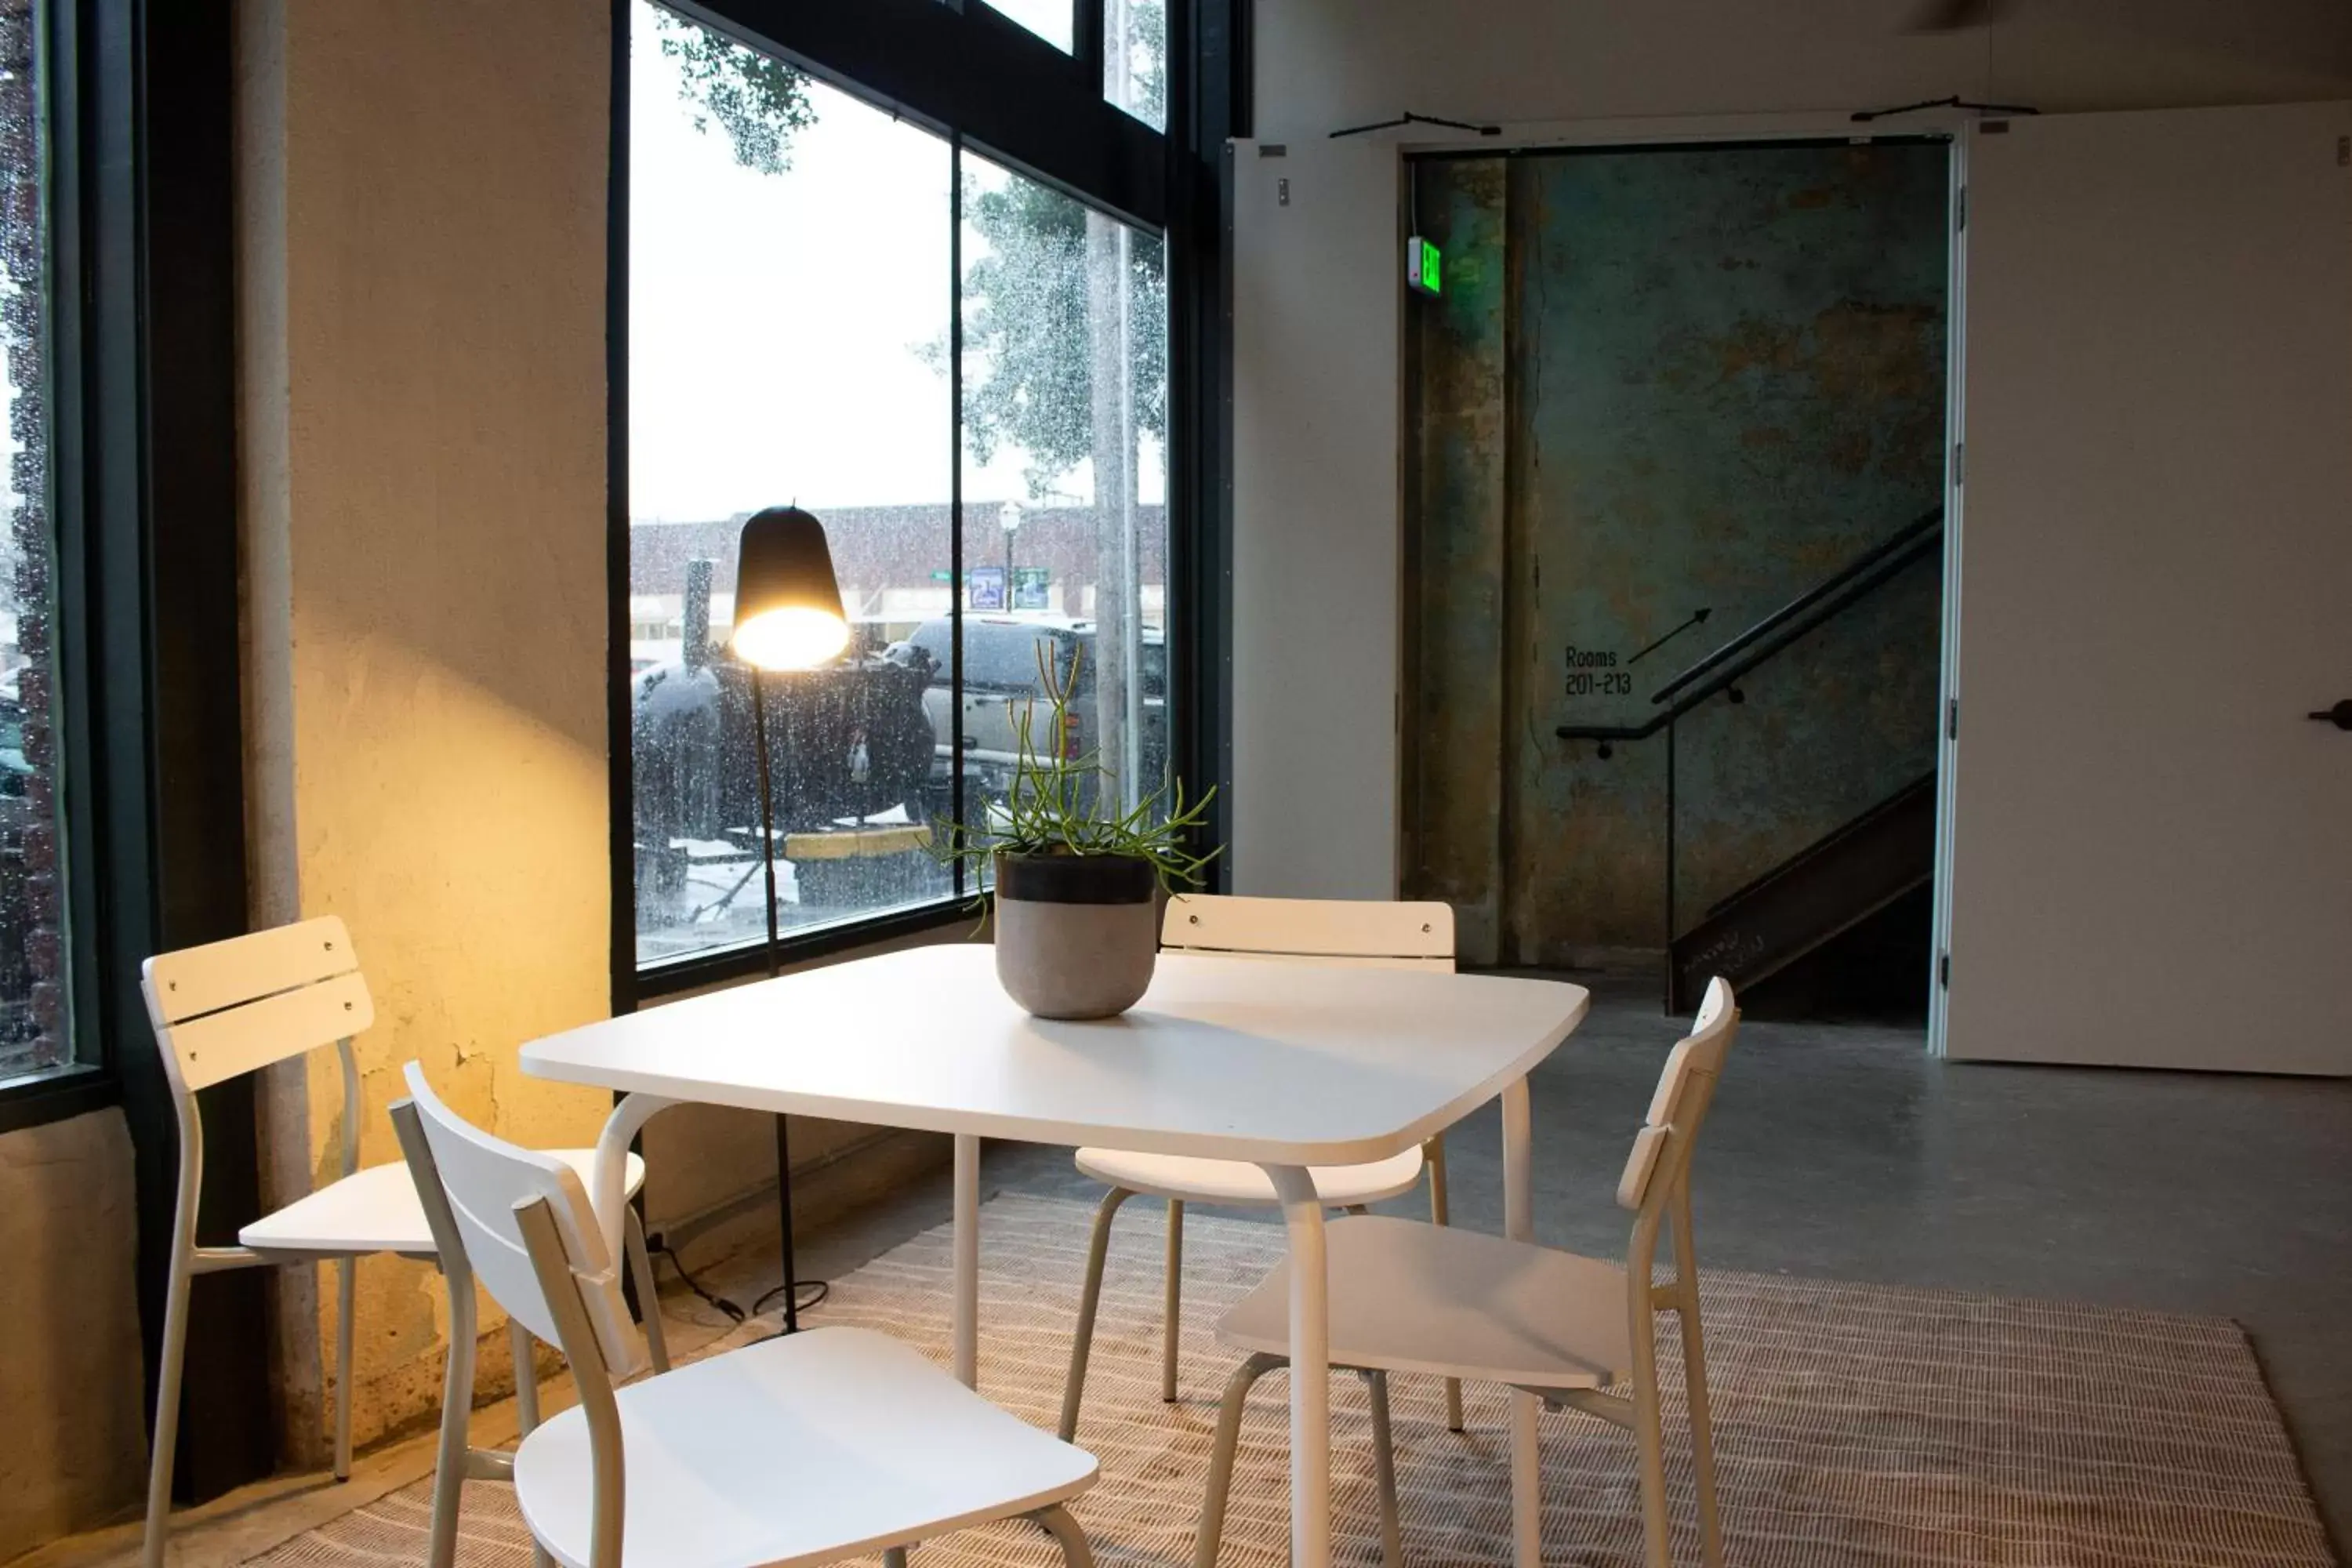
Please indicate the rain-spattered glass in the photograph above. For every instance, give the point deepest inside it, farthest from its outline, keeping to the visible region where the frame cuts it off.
(791, 279)
(1065, 423)
(1135, 58)
(36, 1030)
(788, 303)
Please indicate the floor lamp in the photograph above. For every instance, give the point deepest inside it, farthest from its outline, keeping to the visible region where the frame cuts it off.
(787, 616)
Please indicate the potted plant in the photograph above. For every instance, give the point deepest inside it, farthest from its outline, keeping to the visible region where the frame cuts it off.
(1077, 881)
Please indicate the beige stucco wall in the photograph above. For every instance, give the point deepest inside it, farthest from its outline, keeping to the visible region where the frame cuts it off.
(73, 1448)
(423, 205)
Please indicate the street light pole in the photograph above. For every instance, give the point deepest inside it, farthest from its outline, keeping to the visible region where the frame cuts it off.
(1010, 518)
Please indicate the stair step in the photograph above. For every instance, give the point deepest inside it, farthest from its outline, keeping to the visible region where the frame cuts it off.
(1824, 889)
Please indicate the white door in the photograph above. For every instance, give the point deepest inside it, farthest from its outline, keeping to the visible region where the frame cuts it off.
(2151, 844)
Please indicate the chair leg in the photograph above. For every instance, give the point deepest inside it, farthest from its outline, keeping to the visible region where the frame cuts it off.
(1702, 1419)
(1434, 1152)
(1527, 1480)
(641, 1270)
(526, 1370)
(1172, 1307)
(167, 1396)
(1650, 1439)
(1221, 1453)
(1076, 1552)
(1384, 1471)
(457, 1406)
(346, 1305)
(1073, 1388)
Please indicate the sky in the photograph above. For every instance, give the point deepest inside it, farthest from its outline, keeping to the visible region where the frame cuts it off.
(779, 325)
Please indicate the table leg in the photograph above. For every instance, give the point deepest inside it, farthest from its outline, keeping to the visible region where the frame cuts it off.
(1519, 1225)
(1310, 1368)
(967, 1259)
(608, 1183)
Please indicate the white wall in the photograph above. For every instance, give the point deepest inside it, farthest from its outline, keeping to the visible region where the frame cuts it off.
(1319, 293)
(1316, 427)
(1323, 64)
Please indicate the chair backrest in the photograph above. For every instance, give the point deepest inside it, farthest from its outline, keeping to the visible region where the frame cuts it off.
(1660, 1157)
(1376, 934)
(231, 1007)
(488, 1182)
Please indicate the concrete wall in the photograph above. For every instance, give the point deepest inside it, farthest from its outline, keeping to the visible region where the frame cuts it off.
(1316, 552)
(75, 1447)
(1662, 381)
(422, 275)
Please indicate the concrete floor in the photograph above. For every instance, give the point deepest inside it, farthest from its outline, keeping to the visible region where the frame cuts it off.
(1843, 1152)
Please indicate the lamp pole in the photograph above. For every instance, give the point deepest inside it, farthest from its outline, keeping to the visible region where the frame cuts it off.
(768, 865)
(787, 616)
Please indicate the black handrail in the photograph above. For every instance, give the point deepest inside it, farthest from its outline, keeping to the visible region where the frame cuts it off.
(1928, 527)
(1726, 664)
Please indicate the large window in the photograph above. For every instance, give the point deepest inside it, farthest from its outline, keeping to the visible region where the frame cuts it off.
(35, 1034)
(963, 372)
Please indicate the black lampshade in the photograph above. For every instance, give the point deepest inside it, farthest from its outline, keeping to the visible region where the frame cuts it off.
(787, 601)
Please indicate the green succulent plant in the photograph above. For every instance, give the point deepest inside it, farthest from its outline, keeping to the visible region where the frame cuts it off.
(1055, 804)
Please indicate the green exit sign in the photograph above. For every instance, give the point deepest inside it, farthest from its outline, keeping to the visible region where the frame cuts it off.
(1423, 267)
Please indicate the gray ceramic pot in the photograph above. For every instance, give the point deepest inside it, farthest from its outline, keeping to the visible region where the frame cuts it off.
(1076, 935)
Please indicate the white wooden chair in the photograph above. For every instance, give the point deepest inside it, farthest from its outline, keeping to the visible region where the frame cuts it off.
(1408, 1297)
(232, 1008)
(1368, 934)
(799, 1450)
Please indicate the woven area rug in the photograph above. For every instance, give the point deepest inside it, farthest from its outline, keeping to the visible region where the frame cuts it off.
(1855, 1424)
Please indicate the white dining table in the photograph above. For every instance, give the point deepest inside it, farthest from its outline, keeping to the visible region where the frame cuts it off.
(1285, 1066)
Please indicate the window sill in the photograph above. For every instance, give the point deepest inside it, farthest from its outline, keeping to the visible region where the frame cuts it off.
(54, 1096)
(704, 971)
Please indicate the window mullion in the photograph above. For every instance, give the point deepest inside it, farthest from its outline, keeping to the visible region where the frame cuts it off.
(1086, 30)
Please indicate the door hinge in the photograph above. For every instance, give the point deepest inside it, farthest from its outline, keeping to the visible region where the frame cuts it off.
(1943, 969)
(1952, 718)
(1960, 210)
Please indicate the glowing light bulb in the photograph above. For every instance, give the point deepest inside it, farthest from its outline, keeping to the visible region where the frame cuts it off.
(792, 636)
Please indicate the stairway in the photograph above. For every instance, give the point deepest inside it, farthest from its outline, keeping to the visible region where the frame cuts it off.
(1825, 888)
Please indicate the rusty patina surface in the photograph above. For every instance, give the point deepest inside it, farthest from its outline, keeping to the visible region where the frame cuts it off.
(1720, 375)
(1453, 566)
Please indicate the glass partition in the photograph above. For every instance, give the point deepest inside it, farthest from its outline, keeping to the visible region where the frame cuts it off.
(795, 305)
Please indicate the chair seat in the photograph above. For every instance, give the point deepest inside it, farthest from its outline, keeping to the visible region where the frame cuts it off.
(826, 1444)
(1193, 1180)
(377, 1210)
(1407, 1296)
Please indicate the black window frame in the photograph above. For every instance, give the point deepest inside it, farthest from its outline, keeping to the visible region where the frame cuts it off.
(142, 313)
(143, 466)
(984, 83)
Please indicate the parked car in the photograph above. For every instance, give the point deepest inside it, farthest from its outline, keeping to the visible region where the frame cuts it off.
(848, 743)
(1004, 658)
